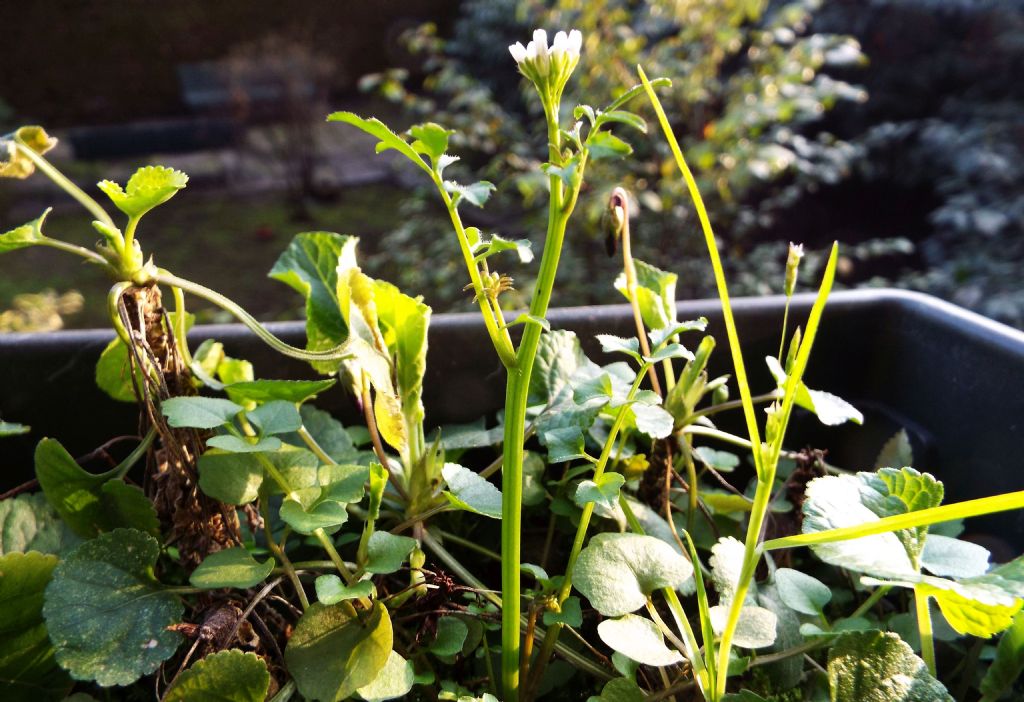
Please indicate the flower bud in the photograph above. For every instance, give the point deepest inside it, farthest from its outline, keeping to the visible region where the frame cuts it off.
(796, 252)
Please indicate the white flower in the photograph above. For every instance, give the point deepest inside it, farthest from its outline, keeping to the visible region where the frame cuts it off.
(548, 67)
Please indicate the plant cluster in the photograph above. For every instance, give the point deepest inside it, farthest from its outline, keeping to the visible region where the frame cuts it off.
(250, 547)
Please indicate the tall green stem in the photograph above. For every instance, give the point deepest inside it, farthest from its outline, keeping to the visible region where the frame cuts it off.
(924, 628)
(66, 185)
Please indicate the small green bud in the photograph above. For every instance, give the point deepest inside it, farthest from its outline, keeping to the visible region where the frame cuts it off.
(796, 252)
(720, 395)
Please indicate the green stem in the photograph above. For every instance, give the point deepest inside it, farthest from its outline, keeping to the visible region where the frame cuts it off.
(338, 353)
(871, 601)
(180, 332)
(313, 446)
(924, 628)
(279, 553)
(336, 559)
(66, 185)
(785, 323)
(126, 465)
(85, 253)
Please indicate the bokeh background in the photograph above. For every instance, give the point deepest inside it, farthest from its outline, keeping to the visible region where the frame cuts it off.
(894, 126)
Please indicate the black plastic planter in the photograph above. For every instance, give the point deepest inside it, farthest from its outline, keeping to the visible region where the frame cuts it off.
(953, 379)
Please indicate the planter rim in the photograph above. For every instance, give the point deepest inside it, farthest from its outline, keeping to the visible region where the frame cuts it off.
(932, 307)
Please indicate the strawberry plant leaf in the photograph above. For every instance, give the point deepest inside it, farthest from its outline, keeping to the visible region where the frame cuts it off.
(334, 652)
(106, 613)
(559, 356)
(230, 567)
(430, 139)
(468, 491)
(148, 187)
(395, 680)
(617, 572)
(875, 666)
(28, 670)
(226, 675)
(639, 639)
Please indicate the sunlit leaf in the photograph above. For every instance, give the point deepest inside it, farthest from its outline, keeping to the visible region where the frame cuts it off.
(199, 412)
(656, 296)
(388, 139)
(235, 478)
(475, 193)
(570, 614)
(226, 675)
(604, 490)
(875, 666)
(294, 391)
(13, 429)
(28, 234)
(148, 187)
(17, 165)
(801, 592)
(394, 680)
(638, 638)
(606, 145)
(468, 491)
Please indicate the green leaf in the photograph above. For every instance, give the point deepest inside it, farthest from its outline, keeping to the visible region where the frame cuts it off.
(564, 444)
(329, 433)
(310, 267)
(430, 139)
(199, 412)
(29, 523)
(293, 391)
(756, 627)
(617, 572)
(89, 503)
(651, 420)
(559, 356)
(106, 614)
(235, 478)
(231, 567)
(974, 607)
(571, 614)
(333, 652)
(468, 491)
(17, 164)
(669, 352)
(394, 680)
(275, 417)
(477, 193)
(622, 117)
(148, 187)
(471, 435)
(226, 675)
(620, 690)
(308, 509)
(236, 444)
(27, 666)
(872, 666)
(13, 429)
(639, 639)
(387, 552)
(896, 452)
(722, 461)
(28, 234)
(388, 139)
(828, 408)
(113, 374)
(602, 144)
(451, 635)
(1008, 664)
(330, 590)
(496, 244)
(604, 491)
(616, 344)
(656, 295)
(801, 592)
(953, 557)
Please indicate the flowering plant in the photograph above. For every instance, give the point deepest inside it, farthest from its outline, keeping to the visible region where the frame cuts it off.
(265, 553)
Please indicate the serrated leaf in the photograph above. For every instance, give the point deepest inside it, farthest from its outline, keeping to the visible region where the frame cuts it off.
(639, 639)
(199, 412)
(1008, 664)
(330, 590)
(17, 164)
(874, 666)
(975, 608)
(486, 248)
(29, 234)
(226, 675)
(29, 523)
(387, 552)
(88, 503)
(477, 193)
(394, 680)
(896, 452)
(617, 344)
(430, 139)
(656, 295)
(606, 145)
(333, 651)
(106, 614)
(571, 614)
(652, 420)
(603, 491)
(148, 187)
(617, 572)
(231, 567)
(468, 491)
(293, 391)
(801, 592)
(310, 267)
(451, 636)
(559, 356)
(388, 139)
(28, 670)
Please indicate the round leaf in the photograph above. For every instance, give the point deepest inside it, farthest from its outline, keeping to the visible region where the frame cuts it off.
(106, 614)
(872, 666)
(801, 592)
(639, 639)
(617, 572)
(226, 675)
(330, 590)
(470, 492)
(394, 680)
(387, 552)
